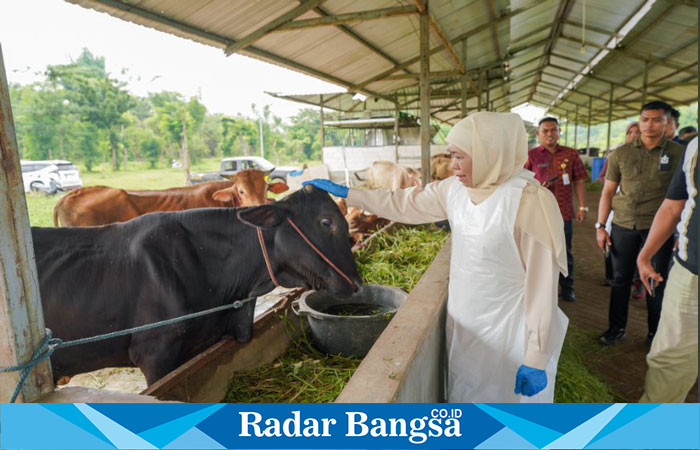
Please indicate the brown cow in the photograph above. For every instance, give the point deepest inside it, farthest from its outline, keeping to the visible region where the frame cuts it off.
(360, 224)
(441, 167)
(100, 205)
(388, 175)
(342, 206)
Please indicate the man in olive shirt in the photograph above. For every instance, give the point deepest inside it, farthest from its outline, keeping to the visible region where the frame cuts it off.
(643, 170)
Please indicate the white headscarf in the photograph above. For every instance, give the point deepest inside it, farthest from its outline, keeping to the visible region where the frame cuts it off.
(497, 145)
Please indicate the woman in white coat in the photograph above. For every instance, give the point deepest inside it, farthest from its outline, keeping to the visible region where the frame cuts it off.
(504, 331)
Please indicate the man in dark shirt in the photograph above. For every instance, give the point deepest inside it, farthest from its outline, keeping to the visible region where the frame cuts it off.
(561, 170)
(643, 170)
(686, 134)
(672, 125)
(673, 358)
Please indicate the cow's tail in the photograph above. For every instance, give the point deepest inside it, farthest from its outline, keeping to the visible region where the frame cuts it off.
(59, 204)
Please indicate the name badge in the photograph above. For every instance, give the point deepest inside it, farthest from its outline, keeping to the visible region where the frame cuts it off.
(565, 179)
(543, 165)
(664, 163)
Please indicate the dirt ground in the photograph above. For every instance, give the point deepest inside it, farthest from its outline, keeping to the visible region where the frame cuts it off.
(622, 366)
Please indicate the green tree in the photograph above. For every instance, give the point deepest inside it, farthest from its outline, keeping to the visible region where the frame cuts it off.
(211, 134)
(239, 136)
(151, 148)
(304, 134)
(94, 96)
(88, 138)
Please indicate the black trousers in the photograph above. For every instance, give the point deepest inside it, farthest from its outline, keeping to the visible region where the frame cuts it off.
(626, 244)
(567, 282)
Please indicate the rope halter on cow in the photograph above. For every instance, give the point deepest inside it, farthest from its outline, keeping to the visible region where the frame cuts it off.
(266, 257)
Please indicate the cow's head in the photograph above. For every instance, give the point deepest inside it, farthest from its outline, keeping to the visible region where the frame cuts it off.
(249, 189)
(294, 260)
(441, 167)
(414, 176)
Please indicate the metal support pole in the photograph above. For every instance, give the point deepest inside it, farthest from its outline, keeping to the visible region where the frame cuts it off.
(464, 79)
(481, 89)
(396, 133)
(575, 126)
(21, 314)
(566, 130)
(262, 141)
(323, 131)
(610, 105)
(424, 19)
(185, 149)
(645, 82)
(488, 91)
(588, 127)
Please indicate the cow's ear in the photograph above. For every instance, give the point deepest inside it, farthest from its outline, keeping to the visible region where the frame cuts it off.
(278, 187)
(224, 195)
(229, 194)
(266, 216)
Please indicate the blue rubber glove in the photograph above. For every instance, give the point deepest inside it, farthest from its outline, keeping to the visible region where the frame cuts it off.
(328, 186)
(296, 173)
(530, 381)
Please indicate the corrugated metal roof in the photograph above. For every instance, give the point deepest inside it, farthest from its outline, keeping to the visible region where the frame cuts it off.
(528, 50)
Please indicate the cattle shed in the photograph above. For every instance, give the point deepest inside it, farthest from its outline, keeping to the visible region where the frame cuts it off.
(587, 61)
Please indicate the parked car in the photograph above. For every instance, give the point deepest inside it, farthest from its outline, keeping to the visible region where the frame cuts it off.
(229, 166)
(50, 176)
(37, 177)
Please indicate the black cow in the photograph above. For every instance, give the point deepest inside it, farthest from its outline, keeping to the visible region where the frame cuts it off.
(95, 280)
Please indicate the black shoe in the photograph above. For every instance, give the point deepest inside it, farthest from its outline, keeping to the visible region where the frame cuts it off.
(569, 296)
(612, 336)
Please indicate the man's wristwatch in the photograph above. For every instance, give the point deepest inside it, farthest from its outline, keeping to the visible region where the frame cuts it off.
(583, 208)
(599, 225)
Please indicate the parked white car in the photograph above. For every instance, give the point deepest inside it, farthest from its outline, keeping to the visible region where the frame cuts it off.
(50, 176)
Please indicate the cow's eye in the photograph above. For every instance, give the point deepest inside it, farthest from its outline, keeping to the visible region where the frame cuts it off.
(241, 192)
(326, 222)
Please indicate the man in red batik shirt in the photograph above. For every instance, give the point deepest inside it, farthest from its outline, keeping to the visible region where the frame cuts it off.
(561, 170)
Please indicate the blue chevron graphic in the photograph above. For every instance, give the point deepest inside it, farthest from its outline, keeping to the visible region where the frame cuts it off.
(56, 432)
(668, 426)
(120, 436)
(627, 415)
(146, 415)
(69, 412)
(534, 433)
(504, 440)
(194, 439)
(161, 435)
(561, 417)
(582, 435)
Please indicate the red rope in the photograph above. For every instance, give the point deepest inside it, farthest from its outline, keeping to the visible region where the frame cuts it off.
(266, 257)
(330, 263)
